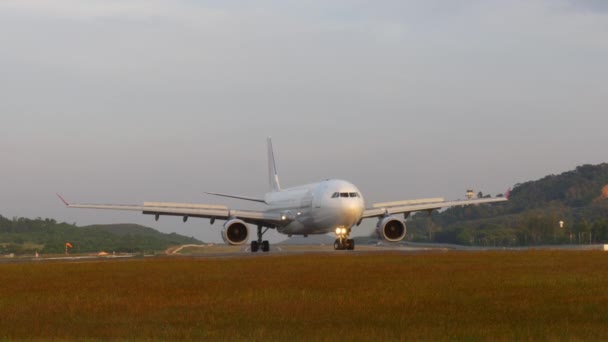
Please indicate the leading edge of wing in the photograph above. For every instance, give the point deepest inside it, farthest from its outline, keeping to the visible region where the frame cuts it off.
(399, 209)
(187, 210)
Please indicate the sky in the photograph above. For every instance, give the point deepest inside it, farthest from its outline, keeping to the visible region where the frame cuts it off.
(126, 101)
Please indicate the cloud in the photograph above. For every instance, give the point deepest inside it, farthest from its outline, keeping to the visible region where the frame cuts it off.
(75, 9)
(594, 6)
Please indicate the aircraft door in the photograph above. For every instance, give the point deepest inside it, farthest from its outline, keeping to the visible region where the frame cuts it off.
(307, 201)
(318, 196)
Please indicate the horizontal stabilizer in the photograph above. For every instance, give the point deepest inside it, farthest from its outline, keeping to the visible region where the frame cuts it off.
(237, 197)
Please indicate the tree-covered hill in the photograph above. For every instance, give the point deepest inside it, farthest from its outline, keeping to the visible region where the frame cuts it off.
(578, 198)
(22, 235)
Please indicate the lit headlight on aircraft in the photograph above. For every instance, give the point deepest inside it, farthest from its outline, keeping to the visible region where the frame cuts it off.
(340, 231)
(286, 216)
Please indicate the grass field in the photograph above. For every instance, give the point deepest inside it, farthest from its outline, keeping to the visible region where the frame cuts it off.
(536, 295)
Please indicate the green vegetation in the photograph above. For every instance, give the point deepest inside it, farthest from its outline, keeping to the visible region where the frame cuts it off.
(532, 215)
(21, 235)
(537, 295)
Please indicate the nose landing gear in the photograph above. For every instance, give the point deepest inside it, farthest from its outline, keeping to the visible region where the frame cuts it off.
(343, 242)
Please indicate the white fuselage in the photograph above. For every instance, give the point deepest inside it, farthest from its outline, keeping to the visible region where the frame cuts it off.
(317, 208)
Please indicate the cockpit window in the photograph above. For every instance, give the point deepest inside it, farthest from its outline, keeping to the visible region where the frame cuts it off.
(345, 194)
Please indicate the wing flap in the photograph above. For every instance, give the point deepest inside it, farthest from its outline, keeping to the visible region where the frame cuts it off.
(186, 210)
(414, 206)
(183, 205)
(193, 210)
(409, 202)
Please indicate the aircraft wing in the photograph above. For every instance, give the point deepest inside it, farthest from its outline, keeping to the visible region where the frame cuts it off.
(406, 207)
(186, 210)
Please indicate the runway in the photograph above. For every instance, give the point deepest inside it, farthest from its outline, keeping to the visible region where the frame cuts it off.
(225, 251)
(216, 251)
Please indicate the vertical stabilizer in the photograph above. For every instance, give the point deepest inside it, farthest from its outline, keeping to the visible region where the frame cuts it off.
(273, 177)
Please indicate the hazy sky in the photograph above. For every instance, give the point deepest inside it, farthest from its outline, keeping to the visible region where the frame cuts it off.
(126, 101)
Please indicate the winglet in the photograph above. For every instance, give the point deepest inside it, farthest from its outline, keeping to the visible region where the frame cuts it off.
(63, 200)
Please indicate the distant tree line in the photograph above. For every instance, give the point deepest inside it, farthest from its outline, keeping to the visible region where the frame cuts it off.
(532, 216)
(23, 235)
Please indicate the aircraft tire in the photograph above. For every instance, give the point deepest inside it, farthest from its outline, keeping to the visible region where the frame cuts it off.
(265, 246)
(338, 245)
(350, 243)
(254, 246)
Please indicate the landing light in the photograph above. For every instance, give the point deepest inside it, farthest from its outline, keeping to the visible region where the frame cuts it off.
(283, 217)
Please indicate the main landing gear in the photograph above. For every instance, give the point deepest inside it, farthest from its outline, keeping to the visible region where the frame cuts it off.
(256, 244)
(343, 242)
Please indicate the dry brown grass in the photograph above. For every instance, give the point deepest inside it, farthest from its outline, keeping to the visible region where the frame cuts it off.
(429, 296)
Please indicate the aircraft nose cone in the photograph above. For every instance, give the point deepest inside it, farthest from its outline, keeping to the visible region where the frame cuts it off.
(352, 212)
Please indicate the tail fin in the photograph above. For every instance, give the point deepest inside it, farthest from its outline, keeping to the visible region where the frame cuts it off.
(273, 177)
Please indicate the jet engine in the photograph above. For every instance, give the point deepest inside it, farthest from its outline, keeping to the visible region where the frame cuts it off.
(391, 229)
(235, 232)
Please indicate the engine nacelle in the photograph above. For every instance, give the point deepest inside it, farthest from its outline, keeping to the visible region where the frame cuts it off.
(235, 232)
(391, 229)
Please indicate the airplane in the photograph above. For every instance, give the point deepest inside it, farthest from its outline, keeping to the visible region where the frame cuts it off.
(332, 205)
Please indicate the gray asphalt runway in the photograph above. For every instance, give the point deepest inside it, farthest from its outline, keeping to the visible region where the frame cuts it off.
(224, 251)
